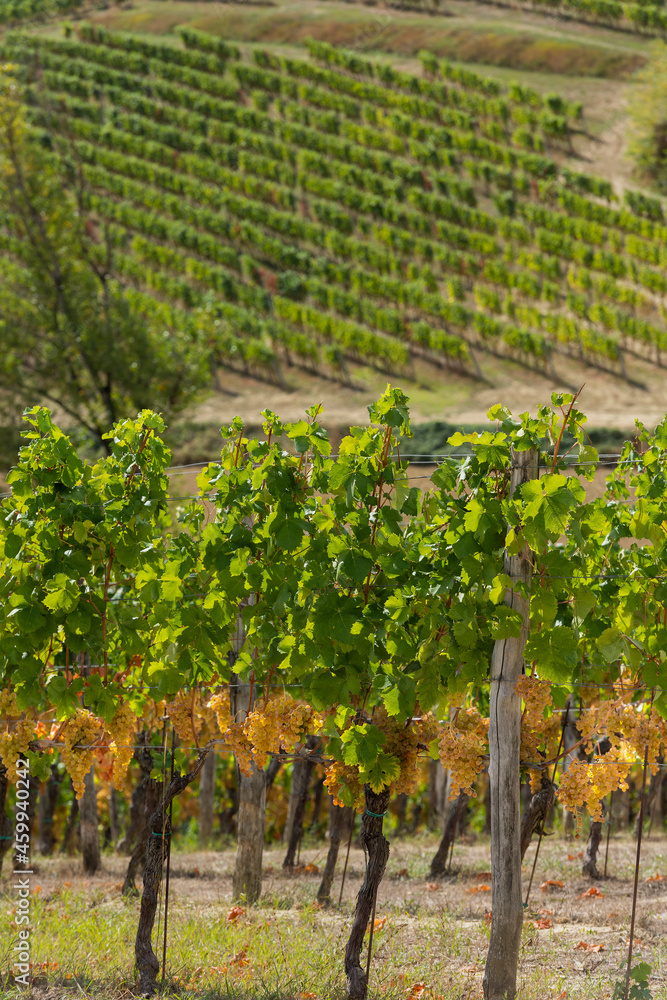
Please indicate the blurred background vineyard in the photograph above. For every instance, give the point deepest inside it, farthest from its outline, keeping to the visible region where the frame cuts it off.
(452, 195)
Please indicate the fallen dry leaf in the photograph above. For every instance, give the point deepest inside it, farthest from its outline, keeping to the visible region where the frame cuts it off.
(543, 924)
(306, 996)
(479, 888)
(591, 893)
(482, 876)
(587, 946)
(311, 869)
(416, 990)
(551, 883)
(403, 873)
(379, 923)
(573, 857)
(488, 916)
(235, 913)
(241, 959)
(544, 912)
(432, 886)
(656, 878)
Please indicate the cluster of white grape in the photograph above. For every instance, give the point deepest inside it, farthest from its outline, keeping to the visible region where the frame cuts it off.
(588, 784)
(280, 723)
(338, 776)
(15, 741)
(463, 745)
(83, 728)
(403, 742)
(630, 733)
(180, 712)
(536, 695)
(122, 732)
(240, 745)
(644, 731)
(219, 703)
(538, 733)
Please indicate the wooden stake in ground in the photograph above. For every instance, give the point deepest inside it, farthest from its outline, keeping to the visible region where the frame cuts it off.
(247, 880)
(301, 776)
(337, 815)
(504, 771)
(90, 836)
(440, 864)
(347, 858)
(611, 816)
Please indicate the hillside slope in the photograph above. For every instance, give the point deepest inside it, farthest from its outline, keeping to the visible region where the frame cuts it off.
(341, 217)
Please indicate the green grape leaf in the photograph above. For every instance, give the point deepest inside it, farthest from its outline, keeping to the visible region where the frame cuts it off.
(543, 607)
(583, 603)
(384, 770)
(611, 644)
(27, 619)
(554, 652)
(356, 566)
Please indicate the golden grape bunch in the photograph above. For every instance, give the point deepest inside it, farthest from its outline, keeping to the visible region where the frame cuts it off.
(82, 728)
(179, 711)
(463, 745)
(338, 776)
(122, 732)
(15, 742)
(588, 783)
(240, 746)
(536, 695)
(219, 703)
(281, 723)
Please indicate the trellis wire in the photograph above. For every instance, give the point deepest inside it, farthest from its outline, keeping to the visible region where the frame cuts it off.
(417, 459)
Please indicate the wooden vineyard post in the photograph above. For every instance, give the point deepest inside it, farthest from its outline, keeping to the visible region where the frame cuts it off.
(337, 816)
(206, 801)
(247, 880)
(90, 837)
(504, 745)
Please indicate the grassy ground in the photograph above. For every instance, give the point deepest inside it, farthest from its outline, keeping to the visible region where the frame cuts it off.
(430, 940)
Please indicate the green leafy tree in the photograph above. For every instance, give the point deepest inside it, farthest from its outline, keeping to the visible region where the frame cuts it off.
(68, 335)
